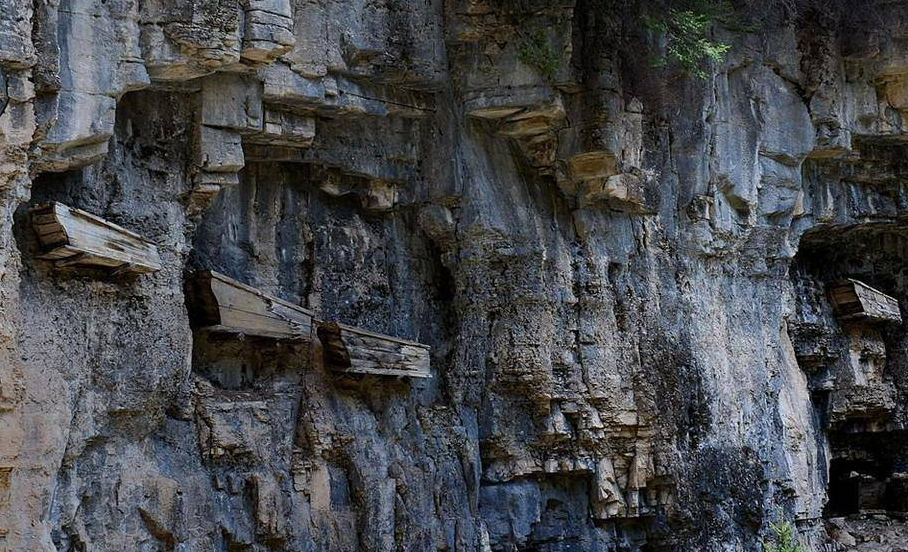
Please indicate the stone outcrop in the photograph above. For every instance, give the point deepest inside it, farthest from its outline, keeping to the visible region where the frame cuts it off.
(621, 274)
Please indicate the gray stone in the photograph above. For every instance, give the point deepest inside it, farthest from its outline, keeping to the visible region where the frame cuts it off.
(622, 273)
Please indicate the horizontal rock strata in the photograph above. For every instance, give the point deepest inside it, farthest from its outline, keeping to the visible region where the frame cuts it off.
(491, 280)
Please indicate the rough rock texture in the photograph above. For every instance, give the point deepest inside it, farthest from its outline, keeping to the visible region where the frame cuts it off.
(621, 271)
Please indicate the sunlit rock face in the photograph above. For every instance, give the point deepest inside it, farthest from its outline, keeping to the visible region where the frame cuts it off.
(624, 272)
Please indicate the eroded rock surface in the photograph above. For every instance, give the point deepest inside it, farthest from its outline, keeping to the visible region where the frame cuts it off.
(622, 272)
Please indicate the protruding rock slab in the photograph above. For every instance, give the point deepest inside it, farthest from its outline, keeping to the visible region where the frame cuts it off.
(72, 237)
(268, 30)
(221, 304)
(853, 301)
(355, 350)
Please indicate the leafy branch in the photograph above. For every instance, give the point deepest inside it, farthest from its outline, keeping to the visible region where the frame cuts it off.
(686, 30)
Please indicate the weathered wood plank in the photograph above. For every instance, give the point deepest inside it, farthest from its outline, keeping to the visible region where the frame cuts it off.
(222, 304)
(854, 300)
(349, 349)
(73, 237)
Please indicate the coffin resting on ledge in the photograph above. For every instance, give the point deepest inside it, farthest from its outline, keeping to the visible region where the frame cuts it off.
(221, 304)
(353, 350)
(856, 301)
(72, 237)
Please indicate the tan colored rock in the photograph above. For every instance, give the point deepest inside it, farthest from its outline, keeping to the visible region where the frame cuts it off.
(270, 516)
(607, 497)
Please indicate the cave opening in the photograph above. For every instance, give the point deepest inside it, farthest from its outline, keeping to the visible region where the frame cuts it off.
(848, 335)
(865, 474)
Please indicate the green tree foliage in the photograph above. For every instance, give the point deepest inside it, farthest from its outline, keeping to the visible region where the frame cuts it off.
(686, 28)
(785, 540)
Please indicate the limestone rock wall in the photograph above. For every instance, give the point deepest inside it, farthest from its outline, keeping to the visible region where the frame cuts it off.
(620, 270)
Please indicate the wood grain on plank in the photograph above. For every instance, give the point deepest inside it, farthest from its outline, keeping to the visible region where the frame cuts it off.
(854, 300)
(220, 303)
(355, 350)
(74, 237)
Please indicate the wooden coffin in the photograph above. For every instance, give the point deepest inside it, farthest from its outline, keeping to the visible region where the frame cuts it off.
(854, 300)
(354, 350)
(221, 304)
(72, 237)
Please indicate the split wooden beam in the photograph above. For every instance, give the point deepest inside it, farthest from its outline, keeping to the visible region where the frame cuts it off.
(221, 304)
(73, 237)
(218, 303)
(354, 350)
(853, 300)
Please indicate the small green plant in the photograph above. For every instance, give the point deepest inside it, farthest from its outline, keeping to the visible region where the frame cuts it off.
(686, 31)
(785, 540)
(535, 51)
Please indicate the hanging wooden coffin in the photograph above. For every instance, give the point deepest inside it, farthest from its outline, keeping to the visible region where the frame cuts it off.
(72, 237)
(221, 304)
(349, 349)
(854, 300)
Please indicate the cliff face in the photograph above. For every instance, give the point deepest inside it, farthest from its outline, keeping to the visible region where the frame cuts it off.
(622, 273)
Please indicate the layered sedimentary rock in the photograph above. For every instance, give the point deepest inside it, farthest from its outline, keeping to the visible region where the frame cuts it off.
(621, 275)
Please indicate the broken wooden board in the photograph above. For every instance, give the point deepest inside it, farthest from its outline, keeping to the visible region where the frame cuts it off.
(853, 300)
(73, 237)
(354, 350)
(221, 304)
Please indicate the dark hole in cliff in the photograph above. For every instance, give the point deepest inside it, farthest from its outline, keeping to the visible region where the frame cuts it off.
(855, 363)
(444, 286)
(232, 362)
(867, 472)
(56, 186)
